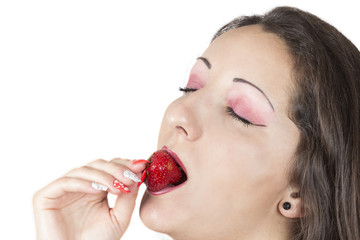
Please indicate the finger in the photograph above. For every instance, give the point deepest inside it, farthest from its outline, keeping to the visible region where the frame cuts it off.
(99, 186)
(98, 176)
(124, 207)
(134, 165)
(139, 165)
(120, 186)
(117, 168)
(131, 164)
(65, 185)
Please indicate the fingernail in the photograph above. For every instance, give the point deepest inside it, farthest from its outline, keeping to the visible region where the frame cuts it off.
(99, 186)
(132, 176)
(120, 186)
(140, 161)
(143, 176)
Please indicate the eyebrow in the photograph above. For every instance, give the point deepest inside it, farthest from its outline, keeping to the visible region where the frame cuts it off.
(241, 80)
(207, 63)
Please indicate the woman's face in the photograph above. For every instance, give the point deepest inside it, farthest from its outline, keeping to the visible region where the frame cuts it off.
(234, 138)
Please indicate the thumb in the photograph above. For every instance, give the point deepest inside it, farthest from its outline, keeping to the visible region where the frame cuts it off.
(124, 207)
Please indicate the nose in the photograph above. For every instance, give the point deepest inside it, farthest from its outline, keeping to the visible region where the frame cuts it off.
(183, 118)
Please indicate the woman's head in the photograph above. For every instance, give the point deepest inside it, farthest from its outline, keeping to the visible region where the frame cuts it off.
(325, 106)
(295, 79)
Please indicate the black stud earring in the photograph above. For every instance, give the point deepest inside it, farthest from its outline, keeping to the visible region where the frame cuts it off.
(286, 205)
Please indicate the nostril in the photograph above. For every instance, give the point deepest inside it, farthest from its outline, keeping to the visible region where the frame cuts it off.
(181, 130)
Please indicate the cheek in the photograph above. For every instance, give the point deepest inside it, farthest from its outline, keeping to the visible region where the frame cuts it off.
(236, 182)
(243, 170)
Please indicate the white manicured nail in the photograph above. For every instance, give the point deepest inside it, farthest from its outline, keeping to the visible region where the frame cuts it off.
(99, 186)
(132, 176)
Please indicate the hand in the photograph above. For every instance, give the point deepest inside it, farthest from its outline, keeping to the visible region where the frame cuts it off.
(71, 208)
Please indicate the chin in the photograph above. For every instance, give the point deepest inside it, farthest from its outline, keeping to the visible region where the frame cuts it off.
(161, 214)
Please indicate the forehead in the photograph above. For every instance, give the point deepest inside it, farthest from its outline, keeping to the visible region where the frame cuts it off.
(257, 56)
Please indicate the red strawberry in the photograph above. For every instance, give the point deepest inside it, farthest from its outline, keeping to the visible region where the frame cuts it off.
(161, 172)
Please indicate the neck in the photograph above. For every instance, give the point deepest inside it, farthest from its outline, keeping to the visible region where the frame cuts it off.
(260, 232)
(270, 229)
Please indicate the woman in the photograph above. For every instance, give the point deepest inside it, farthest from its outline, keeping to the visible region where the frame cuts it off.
(267, 132)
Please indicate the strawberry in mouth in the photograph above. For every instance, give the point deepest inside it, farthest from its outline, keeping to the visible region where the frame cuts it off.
(163, 172)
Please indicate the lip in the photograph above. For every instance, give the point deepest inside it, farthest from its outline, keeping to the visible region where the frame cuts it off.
(179, 162)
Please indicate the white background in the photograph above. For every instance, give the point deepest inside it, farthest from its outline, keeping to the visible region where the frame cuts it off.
(81, 80)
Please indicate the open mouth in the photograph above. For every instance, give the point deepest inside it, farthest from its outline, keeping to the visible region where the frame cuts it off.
(180, 182)
(182, 179)
(179, 164)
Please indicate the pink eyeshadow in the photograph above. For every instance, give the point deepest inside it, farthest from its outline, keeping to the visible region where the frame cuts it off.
(243, 107)
(194, 82)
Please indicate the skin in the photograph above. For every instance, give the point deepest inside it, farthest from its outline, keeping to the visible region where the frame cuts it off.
(69, 208)
(237, 174)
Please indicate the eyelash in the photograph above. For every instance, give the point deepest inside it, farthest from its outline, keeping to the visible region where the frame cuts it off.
(187, 90)
(229, 110)
(238, 118)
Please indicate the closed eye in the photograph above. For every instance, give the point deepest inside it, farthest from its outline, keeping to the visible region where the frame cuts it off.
(229, 110)
(241, 119)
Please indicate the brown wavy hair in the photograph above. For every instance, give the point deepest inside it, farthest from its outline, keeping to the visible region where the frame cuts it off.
(325, 106)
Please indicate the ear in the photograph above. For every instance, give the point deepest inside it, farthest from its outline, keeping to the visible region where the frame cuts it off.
(290, 205)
